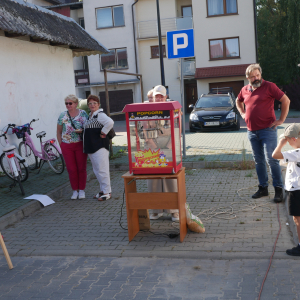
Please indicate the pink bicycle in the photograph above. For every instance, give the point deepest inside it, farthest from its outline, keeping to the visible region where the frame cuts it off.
(49, 153)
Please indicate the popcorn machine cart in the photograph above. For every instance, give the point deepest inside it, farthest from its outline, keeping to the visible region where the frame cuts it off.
(154, 152)
(154, 137)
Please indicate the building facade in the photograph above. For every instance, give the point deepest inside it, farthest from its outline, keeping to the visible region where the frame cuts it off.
(224, 36)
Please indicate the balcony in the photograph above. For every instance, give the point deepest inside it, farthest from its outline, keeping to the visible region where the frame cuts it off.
(82, 77)
(148, 29)
(189, 68)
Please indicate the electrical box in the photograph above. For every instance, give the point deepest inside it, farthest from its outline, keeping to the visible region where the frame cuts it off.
(154, 137)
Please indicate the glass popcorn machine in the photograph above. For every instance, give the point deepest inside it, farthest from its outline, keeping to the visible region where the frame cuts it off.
(154, 137)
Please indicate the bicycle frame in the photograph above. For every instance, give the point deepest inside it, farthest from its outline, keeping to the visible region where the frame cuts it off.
(14, 166)
(41, 154)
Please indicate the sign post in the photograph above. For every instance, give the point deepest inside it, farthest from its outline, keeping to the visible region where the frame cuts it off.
(180, 44)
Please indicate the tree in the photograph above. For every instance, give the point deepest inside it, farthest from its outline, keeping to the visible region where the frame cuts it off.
(279, 39)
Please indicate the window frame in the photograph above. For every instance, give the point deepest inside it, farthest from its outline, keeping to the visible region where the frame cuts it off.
(112, 14)
(225, 10)
(224, 48)
(157, 46)
(116, 60)
(81, 20)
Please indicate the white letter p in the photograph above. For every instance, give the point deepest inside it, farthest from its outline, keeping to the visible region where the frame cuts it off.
(180, 46)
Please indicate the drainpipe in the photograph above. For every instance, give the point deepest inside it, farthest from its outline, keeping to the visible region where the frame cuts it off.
(161, 54)
(255, 29)
(134, 39)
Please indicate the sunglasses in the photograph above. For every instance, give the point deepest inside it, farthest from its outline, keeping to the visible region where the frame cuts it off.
(69, 103)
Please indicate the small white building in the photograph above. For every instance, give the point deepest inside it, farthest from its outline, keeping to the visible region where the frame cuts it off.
(37, 47)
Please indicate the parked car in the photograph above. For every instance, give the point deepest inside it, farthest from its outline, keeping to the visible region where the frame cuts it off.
(215, 111)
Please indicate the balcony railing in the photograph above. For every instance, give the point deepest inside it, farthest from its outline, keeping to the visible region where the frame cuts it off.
(148, 29)
(189, 68)
(82, 77)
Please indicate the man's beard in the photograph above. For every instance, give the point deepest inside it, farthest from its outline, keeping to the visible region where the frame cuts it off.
(256, 83)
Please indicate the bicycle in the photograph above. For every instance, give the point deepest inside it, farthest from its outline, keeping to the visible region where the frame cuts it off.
(49, 153)
(12, 164)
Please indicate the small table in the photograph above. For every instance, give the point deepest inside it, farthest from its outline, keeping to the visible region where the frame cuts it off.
(136, 201)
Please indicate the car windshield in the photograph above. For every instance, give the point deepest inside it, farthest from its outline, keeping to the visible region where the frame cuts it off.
(206, 102)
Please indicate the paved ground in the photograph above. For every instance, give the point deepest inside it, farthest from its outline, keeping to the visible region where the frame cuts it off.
(76, 249)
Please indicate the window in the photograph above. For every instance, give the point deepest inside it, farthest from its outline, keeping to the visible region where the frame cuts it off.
(221, 7)
(186, 11)
(115, 59)
(81, 22)
(155, 51)
(110, 16)
(224, 48)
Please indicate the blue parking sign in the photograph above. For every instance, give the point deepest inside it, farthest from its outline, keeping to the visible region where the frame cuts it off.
(180, 43)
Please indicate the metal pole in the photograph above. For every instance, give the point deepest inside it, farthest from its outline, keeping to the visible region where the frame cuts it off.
(111, 152)
(161, 53)
(183, 106)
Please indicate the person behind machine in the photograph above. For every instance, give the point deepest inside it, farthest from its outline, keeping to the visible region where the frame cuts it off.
(162, 141)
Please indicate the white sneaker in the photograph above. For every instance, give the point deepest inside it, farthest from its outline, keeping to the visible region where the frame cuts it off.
(81, 194)
(104, 197)
(175, 217)
(155, 216)
(75, 195)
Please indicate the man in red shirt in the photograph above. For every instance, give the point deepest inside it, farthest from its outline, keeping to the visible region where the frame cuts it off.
(255, 103)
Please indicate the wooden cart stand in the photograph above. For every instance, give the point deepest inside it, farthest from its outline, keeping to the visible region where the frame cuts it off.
(136, 201)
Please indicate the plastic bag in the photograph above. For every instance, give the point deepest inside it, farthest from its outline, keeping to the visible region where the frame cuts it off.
(193, 222)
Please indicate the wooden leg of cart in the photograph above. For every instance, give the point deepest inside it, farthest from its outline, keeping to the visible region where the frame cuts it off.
(10, 265)
(181, 204)
(132, 214)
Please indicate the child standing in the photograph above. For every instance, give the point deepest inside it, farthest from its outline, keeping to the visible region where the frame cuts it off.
(292, 179)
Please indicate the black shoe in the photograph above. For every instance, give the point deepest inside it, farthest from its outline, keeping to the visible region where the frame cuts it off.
(262, 192)
(294, 251)
(278, 195)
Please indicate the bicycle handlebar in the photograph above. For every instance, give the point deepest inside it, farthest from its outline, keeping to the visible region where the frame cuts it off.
(33, 120)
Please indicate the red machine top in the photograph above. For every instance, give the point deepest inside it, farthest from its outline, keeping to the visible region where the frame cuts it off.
(172, 105)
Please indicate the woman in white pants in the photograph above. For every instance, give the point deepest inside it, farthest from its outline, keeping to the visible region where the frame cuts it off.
(96, 145)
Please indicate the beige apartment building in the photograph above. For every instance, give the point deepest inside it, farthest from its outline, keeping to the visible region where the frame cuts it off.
(224, 37)
(225, 44)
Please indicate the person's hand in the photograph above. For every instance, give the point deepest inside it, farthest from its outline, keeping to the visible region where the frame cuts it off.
(242, 115)
(282, 142)
(276, 123)
(103, 135)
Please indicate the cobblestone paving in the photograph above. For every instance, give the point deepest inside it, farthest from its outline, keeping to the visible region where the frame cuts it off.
(147, 278)
(90, 227)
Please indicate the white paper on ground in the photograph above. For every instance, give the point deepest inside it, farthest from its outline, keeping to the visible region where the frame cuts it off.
(44, 199)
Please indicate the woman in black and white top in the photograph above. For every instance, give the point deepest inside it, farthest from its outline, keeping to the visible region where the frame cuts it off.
(96, 145)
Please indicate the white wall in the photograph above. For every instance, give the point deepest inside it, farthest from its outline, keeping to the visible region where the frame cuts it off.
(240, 25)
(34, 80)
(115, 37)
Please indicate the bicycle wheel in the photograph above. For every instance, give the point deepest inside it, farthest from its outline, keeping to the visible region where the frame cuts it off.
(20, 185)
(27, 153)
(5, 166)
(55, 159)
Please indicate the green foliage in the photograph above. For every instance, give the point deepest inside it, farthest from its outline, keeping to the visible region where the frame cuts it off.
(279, 39)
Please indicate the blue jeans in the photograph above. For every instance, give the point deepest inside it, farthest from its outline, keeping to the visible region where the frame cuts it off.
(263, 143)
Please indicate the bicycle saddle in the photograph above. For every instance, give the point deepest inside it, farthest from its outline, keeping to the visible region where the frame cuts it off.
(8, 148)
(41, 134)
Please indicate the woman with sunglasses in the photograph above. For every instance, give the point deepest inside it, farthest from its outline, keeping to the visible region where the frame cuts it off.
(69, 128)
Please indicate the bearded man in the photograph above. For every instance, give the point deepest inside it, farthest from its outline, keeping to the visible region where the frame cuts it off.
(255, 103)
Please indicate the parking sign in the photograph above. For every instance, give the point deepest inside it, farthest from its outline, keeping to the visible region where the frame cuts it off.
(180, 43)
